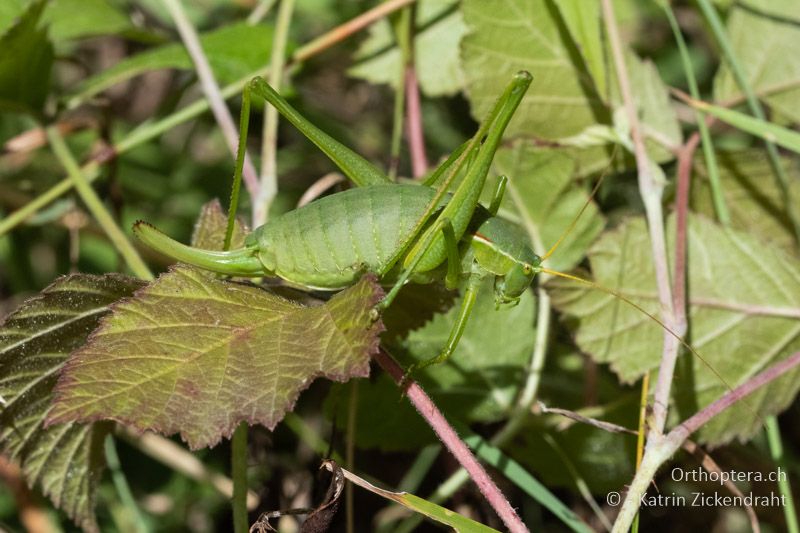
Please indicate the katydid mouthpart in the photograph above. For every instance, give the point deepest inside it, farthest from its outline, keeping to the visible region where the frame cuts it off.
(399, 232)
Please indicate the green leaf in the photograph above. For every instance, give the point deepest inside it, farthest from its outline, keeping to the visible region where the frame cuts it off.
(562, 49)
(196, 355)
(584, 23)
(744, 308)
(659, 120)
(233, 51)
(546, 201)
(763, 34)
(507, 36)
(65, 460)
(755, 202)
(209, 230)
(9, 11)
(440, 27)
(25, 63)
(75, 19)
(481, 379)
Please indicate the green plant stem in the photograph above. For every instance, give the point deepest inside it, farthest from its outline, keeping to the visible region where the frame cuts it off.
(268, 186)
(403, 30)
(121, 484)
(352, 422)
(150, 131)
(95, 205)
(776, 451)
(755, 107)
(239, 475)
(720, 206)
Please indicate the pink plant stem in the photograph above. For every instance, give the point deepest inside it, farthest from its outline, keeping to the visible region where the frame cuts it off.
(696, 421)
(425, 406)
(685, 156)
(416, 137)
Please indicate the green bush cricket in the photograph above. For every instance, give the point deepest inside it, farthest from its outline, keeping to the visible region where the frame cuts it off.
(399, 232)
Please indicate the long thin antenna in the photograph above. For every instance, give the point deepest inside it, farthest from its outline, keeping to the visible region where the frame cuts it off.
(585, 205)
(641, 310)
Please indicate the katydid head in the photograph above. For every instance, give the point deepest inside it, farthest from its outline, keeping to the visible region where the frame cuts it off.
(501, 248)
(509, 288)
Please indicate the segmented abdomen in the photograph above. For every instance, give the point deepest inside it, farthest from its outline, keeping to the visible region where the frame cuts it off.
(329, 243)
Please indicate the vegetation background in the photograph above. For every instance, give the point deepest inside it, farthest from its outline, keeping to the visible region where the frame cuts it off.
(113, 79)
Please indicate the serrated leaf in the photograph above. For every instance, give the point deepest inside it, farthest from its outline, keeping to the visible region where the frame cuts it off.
(209, 230)
(754, 200)
(744, 316)
(65, 460)
(25, 62)
(440, 27)
(560, 48)
(508, 35)
(481, 379)
(233, 51)
(545, 198)
(193, 354)
(763, 34)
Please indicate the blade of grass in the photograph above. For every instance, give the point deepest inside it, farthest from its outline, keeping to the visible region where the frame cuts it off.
(444, 516)
(514, 472)
(755, 107)
(410, 482)
(785, 487)
(641, 433)
(768, 131)
(95, 205)
(720, 206)
(123, 489)
(580, 483)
